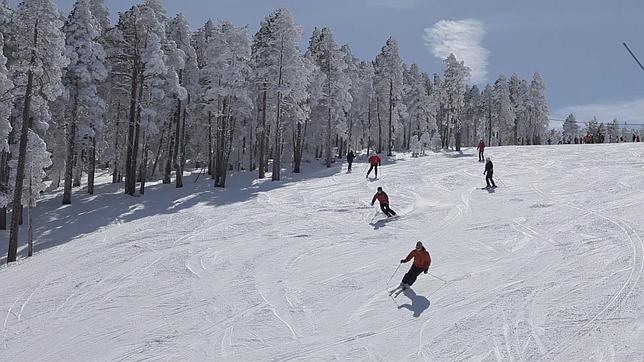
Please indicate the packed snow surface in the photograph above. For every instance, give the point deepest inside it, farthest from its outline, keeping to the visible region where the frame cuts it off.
(547, 266)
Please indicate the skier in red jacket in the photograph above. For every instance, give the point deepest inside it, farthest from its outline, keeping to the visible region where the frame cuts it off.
(481, 149)
(382, 197)
(374, 160)
(422, 261)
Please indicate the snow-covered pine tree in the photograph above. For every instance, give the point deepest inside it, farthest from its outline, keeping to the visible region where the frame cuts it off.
(419, 105)
(425, 142)
(503, 113)
(592, 128)
(6, 87)
(101, 14)
(352, 113)
(363, 105)
(287, 78)
(326, 54)
(518, 93)
(201, 130)
(38, 159)
(570, 127)
(137, 60)
(181, 59)
(388, 83)
(452, 91)
(486, 107)
(37, 73)
(537, 110)
(613, 131)
(472, 117)
(314, 84)
(227, 73)
(82, 75)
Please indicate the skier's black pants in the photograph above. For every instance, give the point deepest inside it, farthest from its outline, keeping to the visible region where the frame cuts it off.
(488, 179)
(412, 274)
(385, 208)
(373, 167)
(481, 158)
(350, 163)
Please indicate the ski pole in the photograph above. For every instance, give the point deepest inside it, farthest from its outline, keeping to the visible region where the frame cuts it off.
(498, 178)
(392, 275)
(441, 279)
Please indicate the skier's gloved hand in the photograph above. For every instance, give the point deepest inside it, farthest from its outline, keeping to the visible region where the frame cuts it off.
(372, 204)
(402, 261)
(425, 272)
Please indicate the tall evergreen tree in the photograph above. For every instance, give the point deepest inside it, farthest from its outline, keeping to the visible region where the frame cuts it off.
(388, 82)
(84, 72)
(40, 46)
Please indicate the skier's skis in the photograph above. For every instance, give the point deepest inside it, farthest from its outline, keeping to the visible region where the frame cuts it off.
(396, 291)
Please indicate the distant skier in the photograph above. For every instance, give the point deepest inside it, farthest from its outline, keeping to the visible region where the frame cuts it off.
(489, 172)
(350, 157)
(422, 261)
(383, 198)
(481, 149)
(374, 160)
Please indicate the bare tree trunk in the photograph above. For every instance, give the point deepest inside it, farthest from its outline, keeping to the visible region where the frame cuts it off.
(4, 181)
(391, 112)
(71, 149)
(277, 157)
(132, 143)
(379, 125)
(116, 173)
(261, 137)
(91, 170)
(158, 154)
(182, 151)
(169, 161)
(144, 164)
(251, 151)
(210, 169)
(176, 138)
(30, 233)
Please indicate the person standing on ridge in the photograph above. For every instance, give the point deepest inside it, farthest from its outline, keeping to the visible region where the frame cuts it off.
(350, 157)
(489, 173)
(383, 198)
(422, 261)
(374, 160)
(481, 149)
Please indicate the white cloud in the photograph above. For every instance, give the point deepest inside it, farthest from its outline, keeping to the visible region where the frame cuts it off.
(463, 38)
(395, 4)
(628, 111)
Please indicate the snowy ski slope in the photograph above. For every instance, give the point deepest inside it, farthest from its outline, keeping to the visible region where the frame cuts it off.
(547, 267)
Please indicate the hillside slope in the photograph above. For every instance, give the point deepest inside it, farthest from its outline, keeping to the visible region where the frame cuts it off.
(547, 266)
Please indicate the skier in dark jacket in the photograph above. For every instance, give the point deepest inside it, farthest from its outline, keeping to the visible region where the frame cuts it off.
(489, 173)
(383, 198)
(350, 157)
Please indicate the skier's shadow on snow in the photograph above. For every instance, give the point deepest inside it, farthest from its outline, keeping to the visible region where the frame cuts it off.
(379, 224)
(418, 305)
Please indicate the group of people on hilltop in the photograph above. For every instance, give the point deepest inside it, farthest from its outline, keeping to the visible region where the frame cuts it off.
(579, 140)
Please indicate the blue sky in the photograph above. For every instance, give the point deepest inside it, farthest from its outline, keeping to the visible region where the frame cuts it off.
(575, 44)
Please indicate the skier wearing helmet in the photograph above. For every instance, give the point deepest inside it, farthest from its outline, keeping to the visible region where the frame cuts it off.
(383, 198)
(489, 172)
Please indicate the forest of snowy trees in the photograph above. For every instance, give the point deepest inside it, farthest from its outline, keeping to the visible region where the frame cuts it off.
(147, 96)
